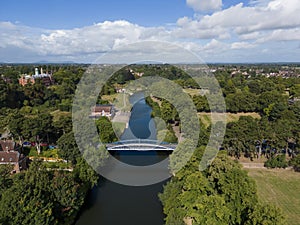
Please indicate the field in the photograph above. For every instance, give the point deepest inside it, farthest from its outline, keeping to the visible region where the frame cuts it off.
(230, 117)
(119, 128)
(192, 91)
(282, 188)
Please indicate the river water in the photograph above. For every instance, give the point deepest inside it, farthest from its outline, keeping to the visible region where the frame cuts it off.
(114, 204)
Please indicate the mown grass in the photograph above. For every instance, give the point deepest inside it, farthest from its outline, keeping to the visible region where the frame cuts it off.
(230, 117)
(192, 91)
(280, 187)
(47, 153)
(119, 128)
(57, 165)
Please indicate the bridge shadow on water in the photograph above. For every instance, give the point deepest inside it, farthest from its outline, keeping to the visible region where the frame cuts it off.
(138, 158)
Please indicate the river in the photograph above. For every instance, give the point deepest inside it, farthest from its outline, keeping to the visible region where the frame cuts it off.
(114, 204)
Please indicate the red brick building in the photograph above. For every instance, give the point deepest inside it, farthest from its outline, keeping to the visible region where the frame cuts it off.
(45, 78)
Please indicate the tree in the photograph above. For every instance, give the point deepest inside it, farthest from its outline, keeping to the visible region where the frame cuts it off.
(278, 161)
(105, 130)
(295, 163)
(68, 148)
(27, 201)
(233, 183)
(201, 103)
(265, 215)
(222, 194)
(167, 111)
(43, 197)
(5, 178)
(63, 124)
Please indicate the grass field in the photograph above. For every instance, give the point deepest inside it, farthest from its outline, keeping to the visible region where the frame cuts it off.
(282, 188)
(230, 117)
(192, 91)
(119, 128)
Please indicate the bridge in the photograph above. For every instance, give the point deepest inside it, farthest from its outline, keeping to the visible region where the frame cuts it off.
(140, 145)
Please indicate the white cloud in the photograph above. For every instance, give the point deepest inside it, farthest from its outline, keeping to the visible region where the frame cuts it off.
(242, 45)
(281, 35)
(250, 36)
(188, 28)
(205, 5)
(224, 34)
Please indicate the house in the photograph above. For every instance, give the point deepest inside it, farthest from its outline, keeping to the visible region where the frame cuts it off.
(8, 145)
(45, 78)
(102, 110)
(13, 158)
(10, 155)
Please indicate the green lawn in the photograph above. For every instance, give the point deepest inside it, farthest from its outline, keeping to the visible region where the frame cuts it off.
(192, 91)
(32, 152)
(230, 117)
(282, 188)
(119, 128)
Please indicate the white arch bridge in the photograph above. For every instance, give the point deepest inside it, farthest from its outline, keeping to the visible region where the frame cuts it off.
(140, 145)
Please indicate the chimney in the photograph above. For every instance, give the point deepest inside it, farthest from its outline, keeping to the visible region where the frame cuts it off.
(42, 70)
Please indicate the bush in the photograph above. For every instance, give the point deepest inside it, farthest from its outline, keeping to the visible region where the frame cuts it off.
(295, 163)
(278, 161)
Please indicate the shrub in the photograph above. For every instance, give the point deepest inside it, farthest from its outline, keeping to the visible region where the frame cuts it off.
(278, 161)
(295, 163)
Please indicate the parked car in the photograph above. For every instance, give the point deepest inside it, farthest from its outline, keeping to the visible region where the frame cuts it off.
(27, 144)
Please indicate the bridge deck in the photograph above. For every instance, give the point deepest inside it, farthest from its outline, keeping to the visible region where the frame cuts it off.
(140, 145)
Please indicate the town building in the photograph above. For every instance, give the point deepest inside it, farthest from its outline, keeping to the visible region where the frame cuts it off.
(102, 110)
(45, 78)
(10, 154)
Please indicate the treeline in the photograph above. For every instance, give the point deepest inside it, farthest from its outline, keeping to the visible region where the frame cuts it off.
(256, 137)
(254, 94)
(167, 112)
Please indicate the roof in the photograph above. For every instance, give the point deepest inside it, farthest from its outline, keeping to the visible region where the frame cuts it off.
(100, 108)
(7, 145)
(36, 76)
(9, 157)
(41, 76)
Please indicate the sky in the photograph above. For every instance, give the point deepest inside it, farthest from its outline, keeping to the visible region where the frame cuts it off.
(228, 31)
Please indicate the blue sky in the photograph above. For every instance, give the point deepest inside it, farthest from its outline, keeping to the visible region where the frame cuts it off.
(57, 14)
(219, 31)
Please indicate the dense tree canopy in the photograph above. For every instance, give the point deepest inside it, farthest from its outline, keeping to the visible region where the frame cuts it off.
(222, 194)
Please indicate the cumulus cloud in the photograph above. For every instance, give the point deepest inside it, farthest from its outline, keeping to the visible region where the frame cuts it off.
(244, 19)
(205, 5)
(242, 45)
(234, 29)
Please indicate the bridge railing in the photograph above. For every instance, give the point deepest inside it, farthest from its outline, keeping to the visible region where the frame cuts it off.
(142, 141)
